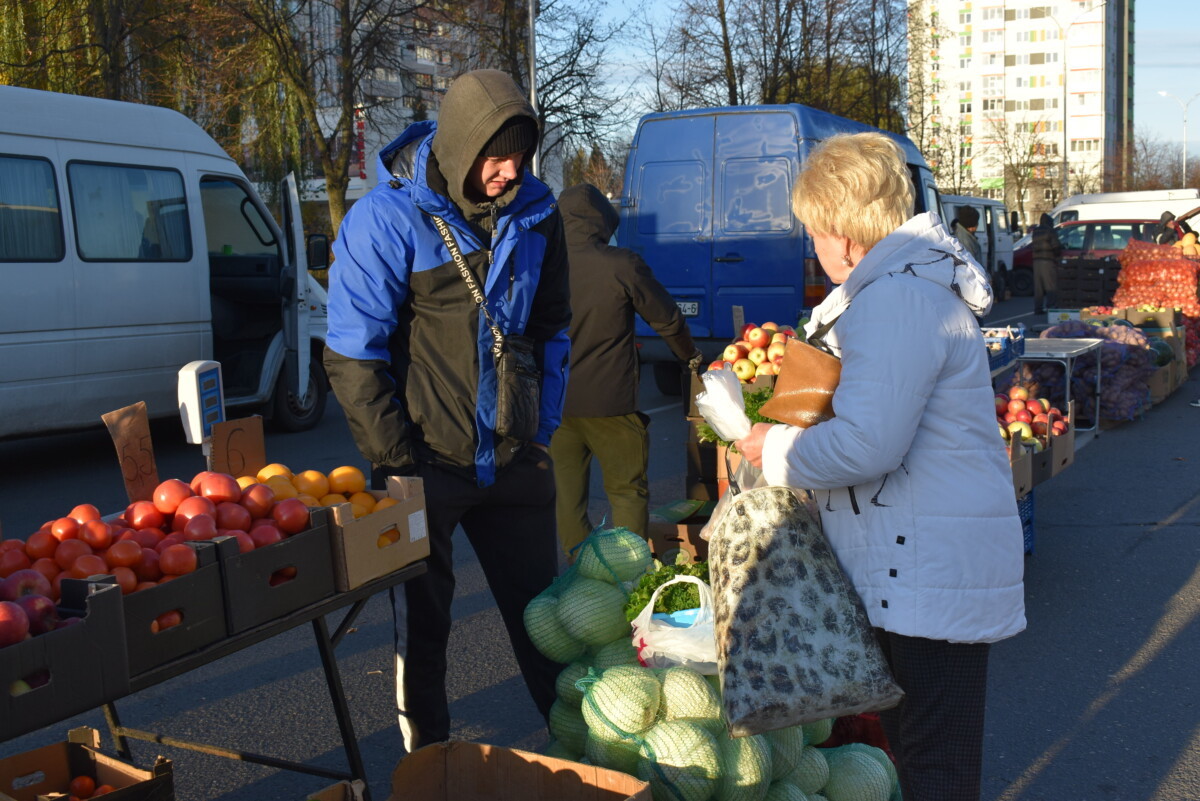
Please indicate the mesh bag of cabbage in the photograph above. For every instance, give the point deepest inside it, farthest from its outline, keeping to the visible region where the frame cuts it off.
(584, 609)
(794, 644)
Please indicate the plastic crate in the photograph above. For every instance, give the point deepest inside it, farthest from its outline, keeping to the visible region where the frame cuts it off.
(1012, 341)
(1025, 511)
(1086, 282)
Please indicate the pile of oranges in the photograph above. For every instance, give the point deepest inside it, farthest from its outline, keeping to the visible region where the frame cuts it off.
(345, 484)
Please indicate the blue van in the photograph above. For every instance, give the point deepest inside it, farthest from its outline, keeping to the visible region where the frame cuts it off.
(706, 201)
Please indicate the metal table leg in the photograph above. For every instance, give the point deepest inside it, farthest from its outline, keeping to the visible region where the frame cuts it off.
(337, 695)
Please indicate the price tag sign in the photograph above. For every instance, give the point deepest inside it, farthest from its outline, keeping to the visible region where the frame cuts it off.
(739, 320)
(238, 447)
(130, 431)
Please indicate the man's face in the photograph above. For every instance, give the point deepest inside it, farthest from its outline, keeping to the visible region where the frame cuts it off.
(490, 175)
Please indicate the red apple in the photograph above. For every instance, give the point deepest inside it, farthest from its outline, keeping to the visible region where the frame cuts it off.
(24, 582)
(1018, 393)
(1001, 404)
(42, 614)
(776, 350)
(1034, 406)
(757, 355)
(719, 364)
(733, 352)
(765, 368)
(744, 369)
(1009, 417)
(758, 337)
(748, 327)
(1016, 405)
(778, 336)
(1040, 424)
(1023, 415)
(1020, 430)
(14, 623)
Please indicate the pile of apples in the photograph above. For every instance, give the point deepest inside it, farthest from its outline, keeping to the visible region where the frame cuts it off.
(757, 351)
(1030, 421)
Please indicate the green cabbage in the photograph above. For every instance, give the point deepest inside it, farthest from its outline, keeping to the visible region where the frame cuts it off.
(855, 776)
(559, 751)
(811, 771)
(622, 755)
(567, 726)
(818, 731)
(613, 555)
(880, 756)
(547, 633)
(565, 687)
(592, 612)
(617, 652)
(685, 694)
(786, 748)
(680, 760)
(745, 768)
(623, 701)
(784, 791)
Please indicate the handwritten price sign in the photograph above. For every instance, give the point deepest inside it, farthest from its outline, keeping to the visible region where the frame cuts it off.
(130, 431)
(238, 447)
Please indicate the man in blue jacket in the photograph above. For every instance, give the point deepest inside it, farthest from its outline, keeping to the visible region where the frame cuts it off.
(409, 355)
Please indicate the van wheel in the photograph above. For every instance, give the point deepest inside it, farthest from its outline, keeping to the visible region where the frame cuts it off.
(1022, 283)
(999, 285)
(668, 378)
(291, 415)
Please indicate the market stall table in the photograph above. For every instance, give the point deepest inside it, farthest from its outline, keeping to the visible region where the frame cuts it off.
(1065, 351)
(326, 643)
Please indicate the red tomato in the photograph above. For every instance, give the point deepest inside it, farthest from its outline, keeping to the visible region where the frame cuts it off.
(174, 538)
(221, 488)
(127, 580)
(68, 551)
(103, 789)
(82, 786)
(144, 514)
(85, 512)
(47, 567)
(147, 568)
(13, 545)
(258, 500)
(169, 494)
(291, 514)
(89, 564)
(200, 527)
(97, 534)
(65, 528)
(245, 541)
(177, 560)
(233, 516)
(148, 537)
(40, 544)
(198, 480)
(145, 585)
(126, 553)
(163, 622)
(12, 561)
(265, 535)
(190, 507)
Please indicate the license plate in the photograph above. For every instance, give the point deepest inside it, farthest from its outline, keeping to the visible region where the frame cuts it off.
(688, 308)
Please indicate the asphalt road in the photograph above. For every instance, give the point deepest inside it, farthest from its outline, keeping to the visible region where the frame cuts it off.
(1095, 701)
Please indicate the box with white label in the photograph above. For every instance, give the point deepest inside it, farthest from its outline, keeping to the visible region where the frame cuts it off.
(382, 541)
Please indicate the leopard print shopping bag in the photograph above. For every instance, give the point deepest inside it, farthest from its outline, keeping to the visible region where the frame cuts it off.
(793, 641)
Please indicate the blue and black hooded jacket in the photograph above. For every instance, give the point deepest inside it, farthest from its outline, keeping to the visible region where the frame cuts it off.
(408, 352)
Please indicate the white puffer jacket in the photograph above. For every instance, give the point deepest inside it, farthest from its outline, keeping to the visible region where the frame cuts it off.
(914, 487)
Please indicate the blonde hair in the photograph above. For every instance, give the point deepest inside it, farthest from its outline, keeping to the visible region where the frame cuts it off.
(854, 185)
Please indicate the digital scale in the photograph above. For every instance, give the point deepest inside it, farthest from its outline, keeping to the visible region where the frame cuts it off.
(201, 402)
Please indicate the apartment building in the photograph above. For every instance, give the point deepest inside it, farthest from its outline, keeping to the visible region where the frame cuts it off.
(1023, 100)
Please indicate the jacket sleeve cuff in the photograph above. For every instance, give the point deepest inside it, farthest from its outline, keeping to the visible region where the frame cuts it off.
(778, 447)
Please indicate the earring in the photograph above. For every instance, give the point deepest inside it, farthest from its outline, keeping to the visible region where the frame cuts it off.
(846, 262)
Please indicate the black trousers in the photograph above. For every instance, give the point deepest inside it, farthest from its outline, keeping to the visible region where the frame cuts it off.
(510, 526)
(936, 732)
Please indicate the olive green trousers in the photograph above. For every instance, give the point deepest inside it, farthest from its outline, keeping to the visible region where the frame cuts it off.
(621, 445)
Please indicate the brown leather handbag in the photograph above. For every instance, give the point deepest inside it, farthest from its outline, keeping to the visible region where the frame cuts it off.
(808, 375)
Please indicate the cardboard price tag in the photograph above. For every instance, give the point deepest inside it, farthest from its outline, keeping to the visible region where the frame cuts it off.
(130, 431)
(238, 447)
(739, 320)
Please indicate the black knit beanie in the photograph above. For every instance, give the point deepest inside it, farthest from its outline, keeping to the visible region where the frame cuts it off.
(516, 135)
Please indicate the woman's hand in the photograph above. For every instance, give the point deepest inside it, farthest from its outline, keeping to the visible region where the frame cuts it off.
(751, 446)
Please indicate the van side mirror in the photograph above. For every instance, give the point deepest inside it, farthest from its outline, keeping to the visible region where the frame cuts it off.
(1014, 221)
(317, 246)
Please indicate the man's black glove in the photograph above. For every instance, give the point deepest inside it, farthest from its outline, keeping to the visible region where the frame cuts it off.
(696, 363)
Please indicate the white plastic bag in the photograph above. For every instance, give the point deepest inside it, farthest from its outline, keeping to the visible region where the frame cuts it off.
(660, 644)
(723, 405)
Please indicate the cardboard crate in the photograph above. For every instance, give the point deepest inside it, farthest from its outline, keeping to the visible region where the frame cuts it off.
(74, 684)
(1159, 384)
(46, 772)
(461, 771)
(676, 528)
(381, 542)
(246, 578)
(342, 791)
(1042, 465)
(1062, 447)
(1022, 470)
(700, 458)
(200, 600)
(1156, 319)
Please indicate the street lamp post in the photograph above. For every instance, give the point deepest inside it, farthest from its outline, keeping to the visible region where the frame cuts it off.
(533, 10)
(1062, 37)
(1184, 106)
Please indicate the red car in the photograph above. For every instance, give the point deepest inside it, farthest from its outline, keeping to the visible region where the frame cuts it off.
(1086, 239)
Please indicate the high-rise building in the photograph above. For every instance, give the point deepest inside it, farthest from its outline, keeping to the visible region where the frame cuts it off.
(1023, 100)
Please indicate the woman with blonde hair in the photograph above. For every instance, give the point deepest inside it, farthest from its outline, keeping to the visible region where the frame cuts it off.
(910, 475)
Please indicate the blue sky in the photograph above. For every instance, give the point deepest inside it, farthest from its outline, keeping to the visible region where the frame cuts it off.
(1166, 57)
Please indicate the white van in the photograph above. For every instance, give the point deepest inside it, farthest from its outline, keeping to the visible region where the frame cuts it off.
(994, 234)
(132, 244)
(1144, 205)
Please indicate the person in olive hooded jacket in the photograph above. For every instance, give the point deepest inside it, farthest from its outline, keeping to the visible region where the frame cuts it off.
(600, 417)
(409, 357)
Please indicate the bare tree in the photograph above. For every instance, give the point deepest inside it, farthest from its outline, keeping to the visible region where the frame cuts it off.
(1030, 166)
(1155, 164)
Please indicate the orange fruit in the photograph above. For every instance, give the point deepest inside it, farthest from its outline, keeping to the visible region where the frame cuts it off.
(385, 502)
(274, 469)
(311, 482)
(364, 499)
(333, 499)
(347, 480)
(359, 511)
(308, 500)
(282, 487)
(245, 481)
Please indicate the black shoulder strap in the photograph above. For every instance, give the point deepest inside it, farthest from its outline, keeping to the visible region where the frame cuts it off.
(469, 278)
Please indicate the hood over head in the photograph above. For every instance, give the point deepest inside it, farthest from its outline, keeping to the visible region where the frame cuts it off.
(1046, 221)
(920, 249)
(478, 106)
(587, 214)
